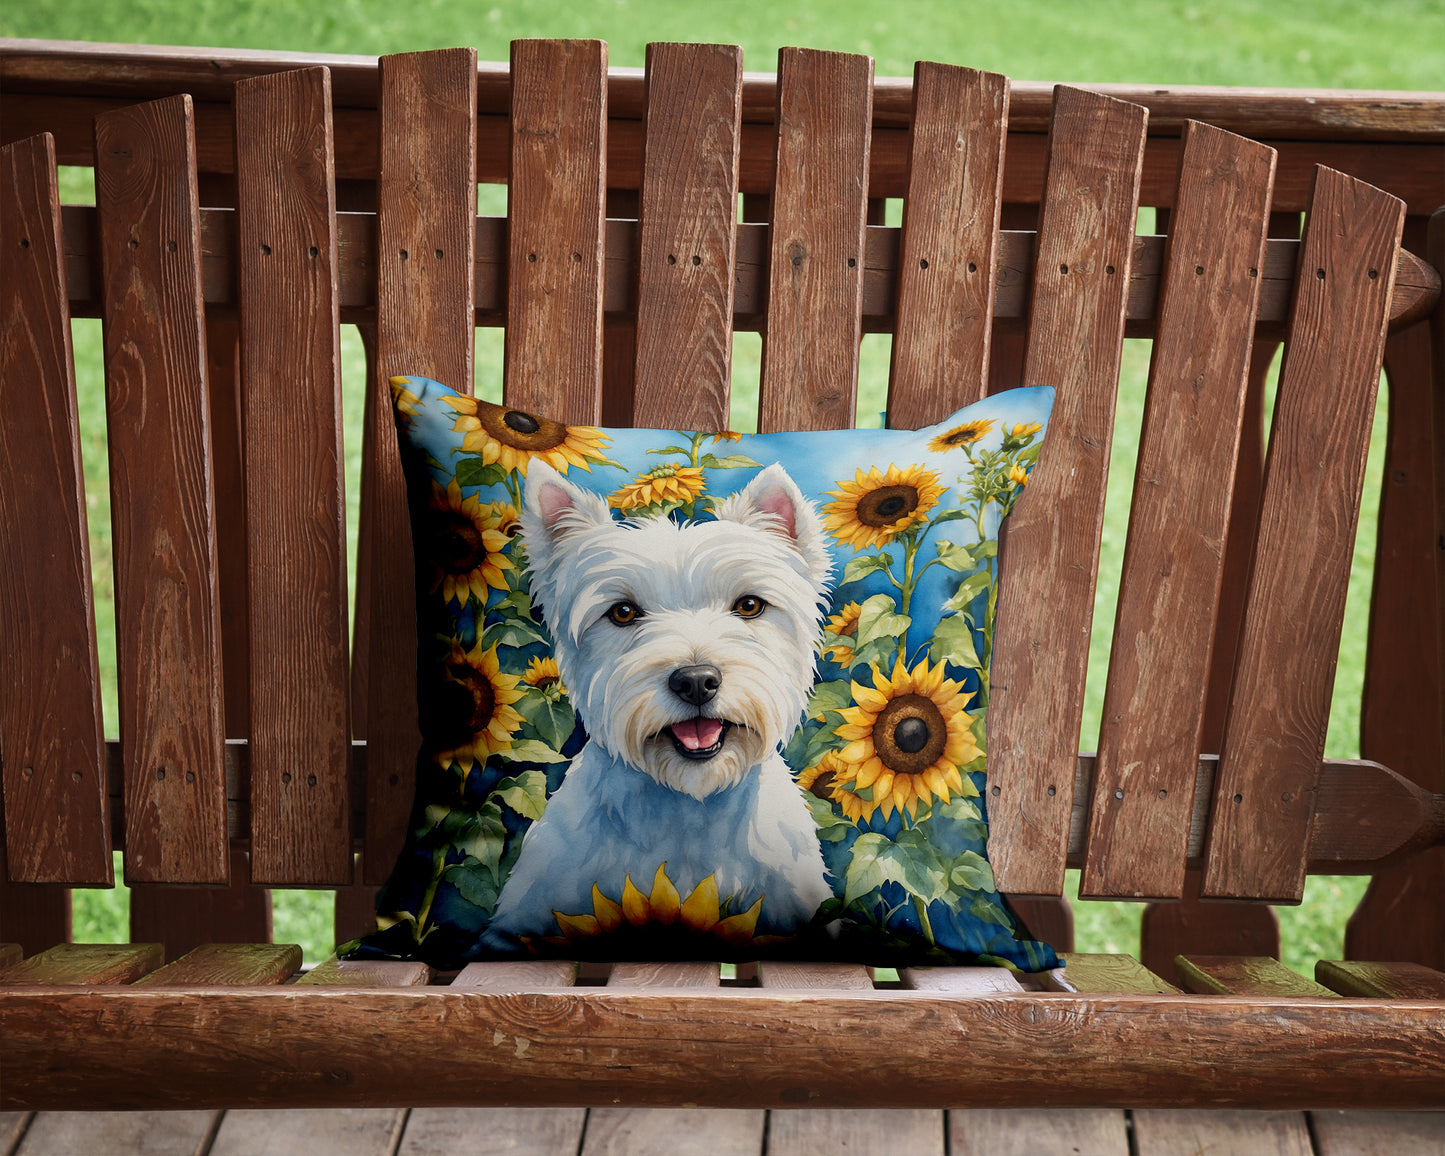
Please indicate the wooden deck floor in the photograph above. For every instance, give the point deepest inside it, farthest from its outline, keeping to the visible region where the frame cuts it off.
(702, 1132)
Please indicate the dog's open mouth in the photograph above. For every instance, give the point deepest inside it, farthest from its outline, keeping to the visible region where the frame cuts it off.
(698, 738)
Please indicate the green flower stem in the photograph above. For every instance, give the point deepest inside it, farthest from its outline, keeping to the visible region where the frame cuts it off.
(696, 456)
(922, 908)
(423, 910)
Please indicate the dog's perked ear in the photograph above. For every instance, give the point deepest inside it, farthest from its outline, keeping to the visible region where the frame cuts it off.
(772, 501)
(555, 509)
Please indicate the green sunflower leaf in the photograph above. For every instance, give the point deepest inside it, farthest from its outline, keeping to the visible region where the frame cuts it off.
(552, 719)
(685, 451)
(863, 565)
(971, 870)
(880, 626)
(953, 642)
(832, 695)
(474, 883)
(910, 862)
(531, 751)
(832, 827)
(526, 794)
(969, 589)
(513, 632)
(949, 516)
(989, 910)
(472, 471)
(730, 462)
(955, 557)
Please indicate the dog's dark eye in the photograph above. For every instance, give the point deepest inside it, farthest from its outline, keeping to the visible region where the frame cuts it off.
(624, 613)
(749, 606)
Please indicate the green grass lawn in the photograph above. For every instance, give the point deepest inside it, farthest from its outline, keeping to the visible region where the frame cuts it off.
(1307, 43)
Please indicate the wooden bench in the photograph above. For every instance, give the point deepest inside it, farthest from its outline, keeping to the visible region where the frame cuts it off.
(245, 207)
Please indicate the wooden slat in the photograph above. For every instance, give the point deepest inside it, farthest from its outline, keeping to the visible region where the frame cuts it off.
(228, 963)
(1243, 975)
(664, 975)
(85, 963)
(168, 640)
(555, 205)
(10, 953)
(367, 973)
(57, 826)
(947, 268)
(520, 975)
(1383, 980)
(183, 918)
(1081, 275)
(1032, 1131)
(1097, 972)
(674, 1132)
(959, 980)
(515, 1131)
(687, 236)
(917, 1131)
(12, 1126)
(426, 217)
(1174, 1131)
(1378, 1133)
(1275, 732)
(34, 915)
(784, 974)
(300, 819)
(1153, 712)
(816, 259)
(322, 1132)
(151, 1133)
(355, 912)
(1191, 925)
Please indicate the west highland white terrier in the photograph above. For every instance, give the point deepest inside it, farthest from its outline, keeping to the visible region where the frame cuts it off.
(689, 652)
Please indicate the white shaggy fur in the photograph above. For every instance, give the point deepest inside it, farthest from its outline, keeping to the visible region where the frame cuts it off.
(631, 800)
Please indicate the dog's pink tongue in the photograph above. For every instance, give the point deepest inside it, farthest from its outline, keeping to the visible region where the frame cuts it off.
(697, 734)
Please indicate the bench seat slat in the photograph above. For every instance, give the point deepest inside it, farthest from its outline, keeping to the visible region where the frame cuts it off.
(168, 635)
(228, 963)
(960, 980)
(1275, 733)
(1094, 972)
(1075, 340)
(183, 917)
(300, 742)
(1243, 975)
(83, 964)
(57, 824)
(785, 974)
(948, 259)
(335, 972)
(1383, 980)
(1153, 712)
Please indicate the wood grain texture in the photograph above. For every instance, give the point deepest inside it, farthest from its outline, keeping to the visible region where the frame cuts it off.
(1383, 980)
(1097, 972)
(687, 236)
(297, 1046)
(1033, 1131)
(783, 974)
(641, 975)
(516, 1131)
(10, 953)
(816, 254)
(426, 217)
(521, 975)
(1346, 1133)
(13, 1125)
(119, 1133)
(300, 741)
(1194, 926)
(959, 980)
(868, 1132)
(326, 1132)
(1177, 1131)
(335, 972)
(1399, 915)
(57, 823)
(1275, 733)
(183, 917)
(555, 206)
(69, 964)
(1153, 714)
(168, 633)
(34, 915)
(1243, 975)
(1045, 604)
(228, 963)
(949, 247)
(674, 1132)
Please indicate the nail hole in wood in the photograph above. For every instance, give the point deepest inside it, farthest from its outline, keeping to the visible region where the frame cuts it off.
(1374, 273)
(1109, 269)
(404, 254)
(1254, 272)
(1239, 798)
(286, 777)
(852, 262)
(1163, 794)
(1063, 268)
(265, 250)
(923, 263)
(696, 260)
(972, 268)
(577, 257)
(133, 243)
(170, 246)
(28, 772)
(310, 780)
(671, 259)
(1053, 791)
(394, 779)
(1199, 270)
(532, 257)
(1118, 793)
(313, 251)
(190, 776)
(995, 792)
(1319, 274)
(25, 242)
(160, 774)
(76, 776)
(437, 253)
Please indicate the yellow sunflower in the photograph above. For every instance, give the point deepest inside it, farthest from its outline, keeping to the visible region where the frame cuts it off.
(543, 674)
(726, 435)
(701, 912)
(908, 735)
(489, 726)
(668, 485)
(1018, 475)
(1023, 430)
(961, 435)
(874, 508)
(511, 438)
(465, 543)
(406, 401)
(845, 622)
(825, 779)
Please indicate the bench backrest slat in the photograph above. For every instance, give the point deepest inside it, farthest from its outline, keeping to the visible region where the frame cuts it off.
(295, 503)
(947, 266)
(1275, 733)
(555, 210)
(426, 242)
(1075, 340)
(168, 640)
(1154, 701)
(819, 209)
(687, 236)
(57, 825)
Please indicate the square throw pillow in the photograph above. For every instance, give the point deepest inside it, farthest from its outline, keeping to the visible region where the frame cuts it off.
(703, 695)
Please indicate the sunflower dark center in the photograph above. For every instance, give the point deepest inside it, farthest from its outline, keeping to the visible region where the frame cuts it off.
(822, 784)
(910, 734)
(546, 680)
(887, 504)
(459, 546)
(962, 437)
(483, 695)
(523, 423)
(521, 430)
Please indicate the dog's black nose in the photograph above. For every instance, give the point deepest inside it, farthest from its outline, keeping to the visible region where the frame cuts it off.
(695, 684)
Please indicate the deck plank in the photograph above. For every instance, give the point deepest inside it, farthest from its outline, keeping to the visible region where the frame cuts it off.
(856, 1131)
(1029, 1131)
(314, 1131)
(674, 1132)
(1175, 1132)
(118, 1133)
(515, 1131)
(1379, 1133)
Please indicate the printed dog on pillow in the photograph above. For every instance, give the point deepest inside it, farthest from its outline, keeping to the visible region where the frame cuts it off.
(689, 652)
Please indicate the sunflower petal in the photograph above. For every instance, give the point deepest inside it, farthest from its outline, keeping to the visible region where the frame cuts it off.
(700, 910)
(577, 926)
(664, 899)
(634, 904)
(739, 928)
(608, 913)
